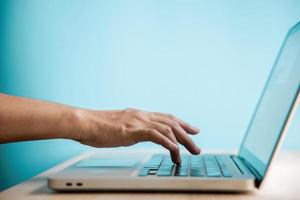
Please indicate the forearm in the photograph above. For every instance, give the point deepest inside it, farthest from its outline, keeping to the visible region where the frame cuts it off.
(26, 119)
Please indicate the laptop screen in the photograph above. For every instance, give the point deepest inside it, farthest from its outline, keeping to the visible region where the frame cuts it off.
(274, 105)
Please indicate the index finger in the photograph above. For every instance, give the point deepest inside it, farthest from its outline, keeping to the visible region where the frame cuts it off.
(186, 126)
(158, 138)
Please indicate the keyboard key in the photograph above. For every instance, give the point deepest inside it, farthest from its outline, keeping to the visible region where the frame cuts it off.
(166, 167)
(198, 173)
(154, 161)
(152, 172)
(167, 161)
(165, 170)
(226, 172)
(181, 174)
(184, 160)
(222, 163)
(151, 167)
(197, 167)
(164, 173)
(213, 174)
(212, 167)
(181, 170)
(143, 173)
(196, 160)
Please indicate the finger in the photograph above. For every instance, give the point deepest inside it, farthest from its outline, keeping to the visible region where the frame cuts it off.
(167, 131)
(186, 126)
(180, 134)
(158, 138)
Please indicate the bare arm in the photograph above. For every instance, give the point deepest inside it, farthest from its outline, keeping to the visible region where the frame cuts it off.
(24, 119)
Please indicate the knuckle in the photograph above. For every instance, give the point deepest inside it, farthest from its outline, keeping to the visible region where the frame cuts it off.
(171, 116)
(124, 139)
(176, 148)
(137, 113)
(151, 133)
(129, 124)
(142, 135)
(168, 130)
(168, 133)
(123, 130)
(132, 111)
(174, 124)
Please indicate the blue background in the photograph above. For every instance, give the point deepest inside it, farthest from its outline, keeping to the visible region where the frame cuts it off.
(204, 61)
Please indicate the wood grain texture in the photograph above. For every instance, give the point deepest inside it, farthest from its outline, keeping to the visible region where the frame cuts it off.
(283, 183)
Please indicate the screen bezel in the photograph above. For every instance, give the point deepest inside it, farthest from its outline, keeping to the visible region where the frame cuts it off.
(245, 153)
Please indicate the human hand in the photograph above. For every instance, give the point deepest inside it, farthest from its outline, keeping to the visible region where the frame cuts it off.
(130, 126)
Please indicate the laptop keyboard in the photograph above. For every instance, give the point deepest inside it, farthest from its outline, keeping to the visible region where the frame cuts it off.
(196, 166)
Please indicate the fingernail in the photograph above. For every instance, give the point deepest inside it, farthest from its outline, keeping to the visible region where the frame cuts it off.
(198, 150)
(178, 161)
(196, 129)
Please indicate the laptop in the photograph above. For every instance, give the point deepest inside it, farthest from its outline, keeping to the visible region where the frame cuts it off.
(245, 171)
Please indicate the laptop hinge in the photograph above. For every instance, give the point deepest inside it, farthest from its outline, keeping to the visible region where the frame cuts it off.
(258, 177)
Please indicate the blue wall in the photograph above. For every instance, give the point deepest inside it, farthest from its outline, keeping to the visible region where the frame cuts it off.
(205, 61)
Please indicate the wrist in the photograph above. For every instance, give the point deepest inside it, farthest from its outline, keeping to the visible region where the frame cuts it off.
(73, 120)
(84, 124)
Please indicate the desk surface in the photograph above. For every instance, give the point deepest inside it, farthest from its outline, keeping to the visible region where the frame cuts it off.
(282, 183)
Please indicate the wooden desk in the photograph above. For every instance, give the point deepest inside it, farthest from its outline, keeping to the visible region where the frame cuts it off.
(283, 183)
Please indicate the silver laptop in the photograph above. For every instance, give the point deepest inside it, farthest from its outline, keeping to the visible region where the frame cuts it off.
(206, 172)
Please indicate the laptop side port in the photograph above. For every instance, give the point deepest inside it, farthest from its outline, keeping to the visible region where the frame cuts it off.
(79, 184)
(69, 184)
